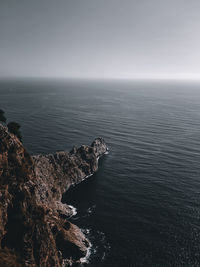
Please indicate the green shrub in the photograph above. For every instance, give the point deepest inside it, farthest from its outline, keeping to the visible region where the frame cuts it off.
(14, 128)
(2, 116)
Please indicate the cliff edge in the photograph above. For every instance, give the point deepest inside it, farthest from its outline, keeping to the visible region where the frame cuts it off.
(34, 224)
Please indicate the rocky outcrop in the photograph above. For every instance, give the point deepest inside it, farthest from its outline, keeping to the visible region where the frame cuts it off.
(57, 172)
(34, 224)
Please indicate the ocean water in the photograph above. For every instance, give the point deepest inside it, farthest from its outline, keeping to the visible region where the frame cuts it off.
(142, 208)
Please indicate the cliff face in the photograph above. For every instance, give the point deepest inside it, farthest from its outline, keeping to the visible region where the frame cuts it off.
(34, 224)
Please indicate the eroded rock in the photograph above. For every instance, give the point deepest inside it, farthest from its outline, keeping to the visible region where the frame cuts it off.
(34, 229)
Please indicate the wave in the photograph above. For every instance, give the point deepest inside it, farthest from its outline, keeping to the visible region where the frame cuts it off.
(98, 248)
(85, 260)
(73, 209)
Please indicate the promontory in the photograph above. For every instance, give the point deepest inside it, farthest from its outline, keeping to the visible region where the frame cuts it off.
(35, 227)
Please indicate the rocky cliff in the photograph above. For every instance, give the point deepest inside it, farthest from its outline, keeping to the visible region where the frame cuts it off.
(34, 224)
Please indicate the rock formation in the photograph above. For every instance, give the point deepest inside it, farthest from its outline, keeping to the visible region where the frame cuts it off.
(34, 224)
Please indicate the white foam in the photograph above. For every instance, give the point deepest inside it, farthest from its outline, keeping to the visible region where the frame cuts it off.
(88, 176)
(73, 209)
(85, 259)
(91, 209)
(87, 256)
(86, 231)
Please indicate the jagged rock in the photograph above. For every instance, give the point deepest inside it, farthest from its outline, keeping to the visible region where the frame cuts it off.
(34, 230)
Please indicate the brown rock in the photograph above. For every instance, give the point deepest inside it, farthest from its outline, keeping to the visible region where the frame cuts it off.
(33, 226)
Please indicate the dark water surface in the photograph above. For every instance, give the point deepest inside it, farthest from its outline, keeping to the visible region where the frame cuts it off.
(142, 208)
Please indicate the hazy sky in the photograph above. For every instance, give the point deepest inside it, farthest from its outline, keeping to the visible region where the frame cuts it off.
(100, 38)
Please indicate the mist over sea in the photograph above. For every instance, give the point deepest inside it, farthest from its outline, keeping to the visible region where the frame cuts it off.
(142, 208)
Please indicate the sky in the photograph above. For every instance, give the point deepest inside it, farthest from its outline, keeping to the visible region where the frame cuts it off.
(118, 39)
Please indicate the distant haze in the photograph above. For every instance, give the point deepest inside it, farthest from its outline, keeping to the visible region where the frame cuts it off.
(100, 38)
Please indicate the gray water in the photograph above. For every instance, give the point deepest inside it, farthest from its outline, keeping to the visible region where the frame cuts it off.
(142, 208)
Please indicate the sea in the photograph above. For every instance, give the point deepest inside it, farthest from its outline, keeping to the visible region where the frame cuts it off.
(142, 207)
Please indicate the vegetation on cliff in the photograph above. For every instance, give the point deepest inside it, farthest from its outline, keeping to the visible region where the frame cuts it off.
(13, 127)
(2, 116)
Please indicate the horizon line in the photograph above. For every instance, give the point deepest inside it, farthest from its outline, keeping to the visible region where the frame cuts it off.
(136, 78)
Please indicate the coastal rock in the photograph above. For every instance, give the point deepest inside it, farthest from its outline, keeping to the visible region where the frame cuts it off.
(57, 172)
(34, 224)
